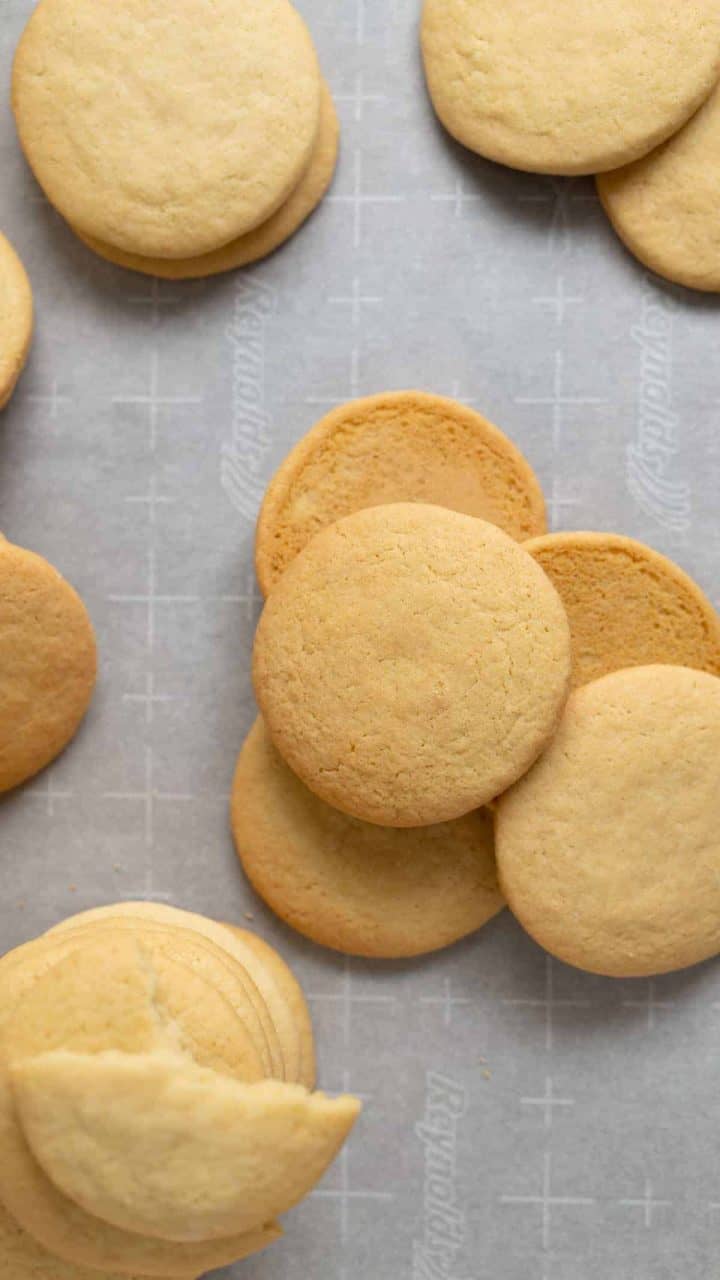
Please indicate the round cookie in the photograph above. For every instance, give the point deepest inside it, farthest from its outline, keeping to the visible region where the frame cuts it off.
(265, 238)
(22, 1258)
(359, 888)
(166, 128)
(48, 999)
(400, 446)
(628, 606)
(609, 849)
(16, 319)
(48, 660)
(664, 208)
(411, 663)
(574, 89)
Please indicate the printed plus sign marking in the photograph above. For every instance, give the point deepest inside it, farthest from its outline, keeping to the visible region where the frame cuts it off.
(156, 299)
(46, 792)
(457, 394)
(150, 699)
(649, 1204)
(151, 598)
(54, 401)
(559, 400)
(360, 199)
(359, 98)
(353, 387)
(459, 198)
(548, 1102)
(347, 997)
(356, 300)
(345, 1195)
(154, 402)
(557, 504)
(448, 1002)
(650, 1004)
(152, 500)
(560, 195)
(149, 796)
(559, 302)
(549, 1002)
(547, 1202)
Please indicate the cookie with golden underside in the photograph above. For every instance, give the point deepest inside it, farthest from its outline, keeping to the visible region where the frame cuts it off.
(350, 885)
(48, 662)
(570, 89)
(16, 319)
(399, 446)
(167, 128)
(49, 1001)
(628, 606)
(22, 1258)
(266, 238)
(664, 207)
(609, 849)
(411, 663)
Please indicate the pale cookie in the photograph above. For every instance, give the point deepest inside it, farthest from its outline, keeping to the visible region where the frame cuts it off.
(261, 242)
(155, 1144)
(48, 662)
(570, 88)
(276, 1021)
(411, 663)
(351, 885)
(296, 1003)
(16, 319)
(166, 128)
(400, 446)
(628, 606)
(664, 208)
(22, 1258)
(609, 850)
(190, 948)
(147, 1004)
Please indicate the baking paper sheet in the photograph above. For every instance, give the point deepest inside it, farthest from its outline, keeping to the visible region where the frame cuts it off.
(522, 1121)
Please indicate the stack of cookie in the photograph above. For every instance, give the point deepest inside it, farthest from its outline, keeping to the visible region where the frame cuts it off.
(155, 1104)
(626, 90)
(177, 139)
(415, 664)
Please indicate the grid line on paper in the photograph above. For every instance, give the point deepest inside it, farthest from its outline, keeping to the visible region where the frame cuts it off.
(549, 1002)
(547, 1202)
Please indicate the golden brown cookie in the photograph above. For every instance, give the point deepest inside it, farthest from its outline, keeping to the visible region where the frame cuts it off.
(166, 128)
(265, 238)
(568, 88)
(351, 885)
(399, 446)
(22, 1258)
(664, 207)
(628, 606)
(609, 849)
(48, 660)
(48, 1000)
(411, 663)
(16, 319)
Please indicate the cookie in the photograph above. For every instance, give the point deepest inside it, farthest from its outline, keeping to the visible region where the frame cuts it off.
(350, 885)
(155, 1144)
(16, 319)
(48, 660)
(411, 663)
(167, 128)
(22, 1258)
(664, 207)
(297, 1005)
(609, 849)
(265, 238)
(578, 89)
(48, 1003)
(628, 606)
(400, 446)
